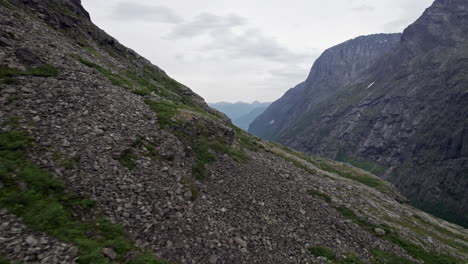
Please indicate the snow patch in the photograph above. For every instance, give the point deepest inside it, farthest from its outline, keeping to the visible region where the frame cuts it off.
(272, 122)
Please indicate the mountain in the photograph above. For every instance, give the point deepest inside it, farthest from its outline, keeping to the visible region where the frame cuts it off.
(335, 68)
(106, 159)
(405, 118)
(245, 120)
(241, 114)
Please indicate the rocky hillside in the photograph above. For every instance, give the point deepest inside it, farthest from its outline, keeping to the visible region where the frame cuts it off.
(106, 159)
(406, 119)
(335, 68)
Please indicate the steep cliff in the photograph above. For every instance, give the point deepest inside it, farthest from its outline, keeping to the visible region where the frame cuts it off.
(106, 159)
(405, 119)
(335, 68)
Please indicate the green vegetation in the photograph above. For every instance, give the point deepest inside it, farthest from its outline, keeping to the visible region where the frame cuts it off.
(341, 170)
(147, 258)
(320, 251)
(414, 250)
(4, 260)
(128, 159)
(352, 174)
(7, 74)
(63, 161)
(115, 79)
(165, 111)
(205, 152)
(296, 162)
(367, 165)
(204, 146)
(7, 4)
(85, 45)
(382, 257)
(446, 210)
(351, 259)
(46, 204)
(317, 193)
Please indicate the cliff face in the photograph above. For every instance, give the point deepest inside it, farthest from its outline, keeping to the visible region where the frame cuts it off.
(335, 68)
(106, 159)
(406, 118)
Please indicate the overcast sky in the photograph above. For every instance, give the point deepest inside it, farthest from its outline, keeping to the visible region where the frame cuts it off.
(245, 50)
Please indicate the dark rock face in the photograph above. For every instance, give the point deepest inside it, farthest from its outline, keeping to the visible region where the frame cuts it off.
(406, 118)
(335, 68)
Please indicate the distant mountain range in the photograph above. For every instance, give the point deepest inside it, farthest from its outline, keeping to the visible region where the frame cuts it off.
(241, 113)
(395, 105)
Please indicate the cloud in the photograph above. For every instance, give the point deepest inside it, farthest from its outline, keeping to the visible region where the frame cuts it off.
(396, 25)
(363, 8)
(206, 23)
(230, 37)
(291, 72)
(149, 13)
(252, 43)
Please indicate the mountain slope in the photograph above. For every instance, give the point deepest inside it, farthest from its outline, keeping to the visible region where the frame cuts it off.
(93, 136)
(407, 118)
(335, 68)
(245, 120)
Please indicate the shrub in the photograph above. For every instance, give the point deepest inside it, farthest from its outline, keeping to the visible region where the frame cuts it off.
(317, 193)
(320, 251)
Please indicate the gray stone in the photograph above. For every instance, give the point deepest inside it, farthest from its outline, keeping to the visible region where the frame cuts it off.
(379, 231)
(109, 253)
(240, 242)
(32, 241)
(213, 259)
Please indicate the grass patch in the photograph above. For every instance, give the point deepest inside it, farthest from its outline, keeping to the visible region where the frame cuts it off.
(320, 251)
(7, 73)
(352, 174)
(317, 193)
(367, 165)
(4, 260)
(147, 258)
(351, 259)
(447, 210)
(7, 4)
(128, 159)
(114, 79)
(343, 171)
(142, 92)
(296, 163)
(65, 162)
(165, 111)
(47, 205)
(413, 249)
(206, 151)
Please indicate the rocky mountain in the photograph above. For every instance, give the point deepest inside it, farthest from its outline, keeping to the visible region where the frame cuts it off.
(405, 118)
(106, 159)
(241, 114)
(335, 68)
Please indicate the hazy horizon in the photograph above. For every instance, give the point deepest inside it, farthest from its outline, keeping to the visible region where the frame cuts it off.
(243, 51)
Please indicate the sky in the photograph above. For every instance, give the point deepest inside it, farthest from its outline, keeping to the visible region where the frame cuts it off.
(245, 50)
